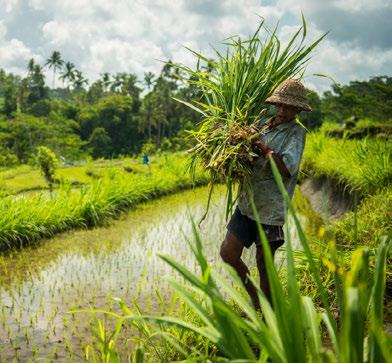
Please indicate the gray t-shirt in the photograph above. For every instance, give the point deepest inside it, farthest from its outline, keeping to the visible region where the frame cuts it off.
(288, 141)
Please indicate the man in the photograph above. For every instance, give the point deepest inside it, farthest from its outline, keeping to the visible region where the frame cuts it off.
(284, 141)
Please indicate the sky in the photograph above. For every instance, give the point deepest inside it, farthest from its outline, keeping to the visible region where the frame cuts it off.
(135, 36)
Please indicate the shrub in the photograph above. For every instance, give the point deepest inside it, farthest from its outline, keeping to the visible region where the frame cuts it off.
(47, 162)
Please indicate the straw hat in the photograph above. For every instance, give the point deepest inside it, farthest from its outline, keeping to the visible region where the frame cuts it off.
(290, 92)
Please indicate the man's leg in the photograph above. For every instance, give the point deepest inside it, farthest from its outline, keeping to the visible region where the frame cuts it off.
(264, 285)
(231, 251)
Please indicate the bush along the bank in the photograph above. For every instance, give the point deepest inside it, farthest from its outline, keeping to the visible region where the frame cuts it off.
(27, 219)
(47, 162)
(292, 329)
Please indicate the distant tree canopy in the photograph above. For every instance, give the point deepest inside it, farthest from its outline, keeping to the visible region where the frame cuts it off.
(114, 115)
(108, 118)
(362, 99)
(314, 118)
(117, 114)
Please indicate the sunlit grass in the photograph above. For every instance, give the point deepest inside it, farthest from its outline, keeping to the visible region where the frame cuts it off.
(28, 178)
(363, 166)
(28, 219)
(368, 223)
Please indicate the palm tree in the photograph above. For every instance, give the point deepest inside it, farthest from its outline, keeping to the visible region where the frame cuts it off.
(129, 86)
(55, 62)
(79, 80)
(105, 78)
(149, 79)
(30, 66)
(68, 72)
(36, 85)
(117, 82)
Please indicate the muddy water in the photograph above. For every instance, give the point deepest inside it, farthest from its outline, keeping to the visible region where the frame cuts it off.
(86, 269)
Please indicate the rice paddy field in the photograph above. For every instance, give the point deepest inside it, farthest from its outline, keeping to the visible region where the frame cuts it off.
(69, 258)
(27, 178)
(87, 269)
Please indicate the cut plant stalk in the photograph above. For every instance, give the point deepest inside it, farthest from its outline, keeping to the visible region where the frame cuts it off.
(234, 90)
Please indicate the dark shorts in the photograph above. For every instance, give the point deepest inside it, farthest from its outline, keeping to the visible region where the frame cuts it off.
(245, 229)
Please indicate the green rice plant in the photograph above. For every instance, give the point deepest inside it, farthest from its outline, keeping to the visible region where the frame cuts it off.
(106, 344)
(234, 87)
(292, 328)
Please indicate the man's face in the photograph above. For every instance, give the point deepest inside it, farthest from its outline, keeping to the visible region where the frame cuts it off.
(285, 113)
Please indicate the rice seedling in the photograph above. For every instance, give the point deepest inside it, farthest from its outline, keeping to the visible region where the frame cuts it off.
(234, 89)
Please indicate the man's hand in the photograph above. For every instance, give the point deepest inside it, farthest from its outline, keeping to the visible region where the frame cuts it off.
(262, 147)
(267, 152)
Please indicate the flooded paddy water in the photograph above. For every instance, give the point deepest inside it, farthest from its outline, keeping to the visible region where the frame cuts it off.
(85, 269)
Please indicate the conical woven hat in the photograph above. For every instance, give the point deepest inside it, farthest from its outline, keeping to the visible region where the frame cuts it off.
(290, 92)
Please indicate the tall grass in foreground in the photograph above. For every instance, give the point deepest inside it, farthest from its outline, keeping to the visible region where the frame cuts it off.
(294, 330)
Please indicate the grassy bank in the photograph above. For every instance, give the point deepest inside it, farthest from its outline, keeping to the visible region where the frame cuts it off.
(363, 167)
(27, 219)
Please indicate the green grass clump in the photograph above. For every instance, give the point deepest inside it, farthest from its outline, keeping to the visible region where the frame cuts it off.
(28, 219)
(362, 166)
(368, 223)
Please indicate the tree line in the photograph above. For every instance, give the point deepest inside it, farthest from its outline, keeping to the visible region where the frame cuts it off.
(119, 114)
(115, 115)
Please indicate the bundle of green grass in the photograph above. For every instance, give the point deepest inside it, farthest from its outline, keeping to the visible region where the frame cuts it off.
(233, 88)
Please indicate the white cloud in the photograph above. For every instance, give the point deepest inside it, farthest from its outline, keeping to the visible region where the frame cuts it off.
(14, 55)
(342, 61)
(131, 36)
(361, 5)
(3, 30)
(8, 5)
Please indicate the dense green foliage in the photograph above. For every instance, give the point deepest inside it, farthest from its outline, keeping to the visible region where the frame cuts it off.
(362, 99)
(108, 118)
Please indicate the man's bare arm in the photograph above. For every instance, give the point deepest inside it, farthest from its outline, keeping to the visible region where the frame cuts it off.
(267, 152)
